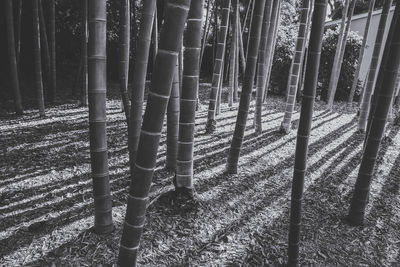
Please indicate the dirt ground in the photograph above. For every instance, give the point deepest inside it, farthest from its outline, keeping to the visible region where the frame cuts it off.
(46, 210)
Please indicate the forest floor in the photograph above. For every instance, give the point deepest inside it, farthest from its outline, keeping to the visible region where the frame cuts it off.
(46, 205)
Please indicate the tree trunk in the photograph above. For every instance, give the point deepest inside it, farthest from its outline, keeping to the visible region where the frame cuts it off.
(169, 47)
(38, 59)
(245, 96)
(388, 70)
(190, 87)
(97, 84)
(332, 92)
(371, 79)
(297, 63)
(124, 46)
(12, 57)
(261, 67)
(307, 104)
(84, 39)
(217, 73)
(270, 48)
(362, 50)
(139, 78)
(173, 123)
(45, 49)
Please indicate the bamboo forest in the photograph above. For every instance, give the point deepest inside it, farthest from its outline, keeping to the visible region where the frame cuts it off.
(200, 133)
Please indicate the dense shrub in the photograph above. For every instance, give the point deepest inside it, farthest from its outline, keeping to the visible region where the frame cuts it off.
(349, 64)
(284, 52)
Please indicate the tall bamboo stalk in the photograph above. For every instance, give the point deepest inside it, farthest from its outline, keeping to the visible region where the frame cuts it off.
(12, 57)
(336, 60)
(379, 80)
(84, 40)
(245, 96)
(362, 50)
(270, 48)
(218, 63)
(332, 92)
(173, 122)
(297, 63)
(18, 31)
(249, 28)
(261, 67)
(97, 84)
(53, 67)
(303, 134)
(239, 52)
(139, 78)
(389, 70)
(190, 87)
(45, 47)
(37, 58)
(372, 75)
(124, 47)
(232, 54)
(155, 36)
(167, 56)
(205, 31)
(240, 45)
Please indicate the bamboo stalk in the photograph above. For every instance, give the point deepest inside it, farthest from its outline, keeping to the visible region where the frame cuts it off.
(303, 134)
(167, 56)
(388, 71)
(245, 96)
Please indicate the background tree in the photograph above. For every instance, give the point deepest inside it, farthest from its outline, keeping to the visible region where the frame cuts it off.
(366, 99)
(336, 61)
(217, 73)
(244, 104)
(124, 48)
(307, 106)
(190, 87)
(38, 59)
(12, 57)
(388, 70)
(232, 54)
(169, 47)
(332, 92)
(361, 55)
(269, 55)
(45, 48)
(97, 84)
(18, 30)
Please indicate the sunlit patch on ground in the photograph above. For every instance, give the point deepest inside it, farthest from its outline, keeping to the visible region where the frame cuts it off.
(46, 202)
